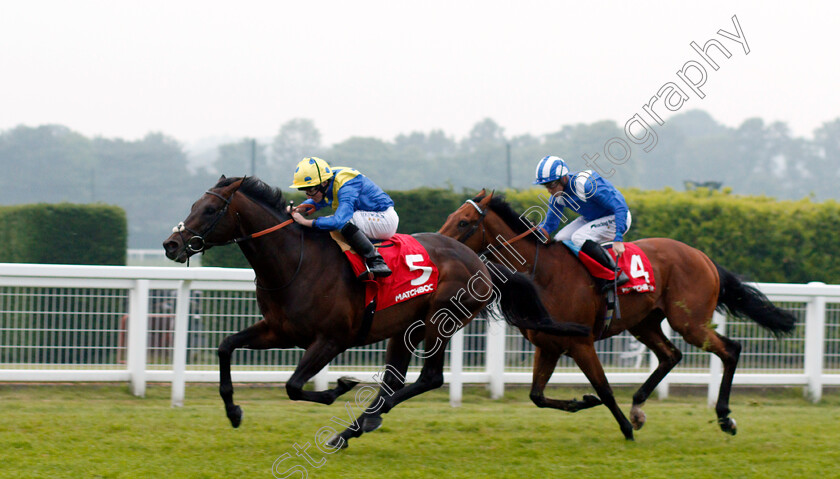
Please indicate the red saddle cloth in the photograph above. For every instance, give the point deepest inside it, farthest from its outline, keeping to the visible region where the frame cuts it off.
(412, 271)
(634, 263)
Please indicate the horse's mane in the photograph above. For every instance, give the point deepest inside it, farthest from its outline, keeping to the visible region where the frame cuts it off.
(510, 217)
(259, 191)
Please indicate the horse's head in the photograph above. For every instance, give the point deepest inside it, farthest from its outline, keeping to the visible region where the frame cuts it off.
(210, 222)
(464, 222)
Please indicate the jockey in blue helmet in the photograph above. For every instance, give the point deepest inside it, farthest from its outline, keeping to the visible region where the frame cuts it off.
(362, 209)
(604, 215)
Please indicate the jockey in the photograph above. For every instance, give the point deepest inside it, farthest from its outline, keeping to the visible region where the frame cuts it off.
(604, 215)
(362, 209)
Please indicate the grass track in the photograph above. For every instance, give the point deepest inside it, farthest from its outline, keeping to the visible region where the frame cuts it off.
(103, 431)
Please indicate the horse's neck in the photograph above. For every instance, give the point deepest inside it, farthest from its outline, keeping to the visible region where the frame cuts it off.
(274, 257)
(521, 254)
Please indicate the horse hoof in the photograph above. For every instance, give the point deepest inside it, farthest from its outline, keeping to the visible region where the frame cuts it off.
(637, 418)
(728, 425)
(347, 383)
(370, 424)
(337, 442)
(235, 416)
(592, 400)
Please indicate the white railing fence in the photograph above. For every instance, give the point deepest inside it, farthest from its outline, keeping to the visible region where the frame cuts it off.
(163, 324)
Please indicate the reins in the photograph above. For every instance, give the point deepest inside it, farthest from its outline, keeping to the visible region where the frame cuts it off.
(504, 243)
(481, 218)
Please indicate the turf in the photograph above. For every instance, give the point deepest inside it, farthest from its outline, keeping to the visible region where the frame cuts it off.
(93, 431)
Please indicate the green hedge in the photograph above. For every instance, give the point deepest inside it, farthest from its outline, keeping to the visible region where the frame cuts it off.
(758, 237)
(63, 234)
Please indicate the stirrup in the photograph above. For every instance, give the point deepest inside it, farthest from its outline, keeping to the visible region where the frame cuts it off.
(606, 285)
(377, 269)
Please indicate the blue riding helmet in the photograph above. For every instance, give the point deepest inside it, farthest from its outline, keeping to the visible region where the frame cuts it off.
(550, 168)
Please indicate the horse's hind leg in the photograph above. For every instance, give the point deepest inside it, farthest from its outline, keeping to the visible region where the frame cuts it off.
(257, 336)
(700, 334)
(651, 335)
(728, 352)
(545, 360)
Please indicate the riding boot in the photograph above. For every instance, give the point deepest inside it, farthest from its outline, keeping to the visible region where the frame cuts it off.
(600, 255)
(362, 245)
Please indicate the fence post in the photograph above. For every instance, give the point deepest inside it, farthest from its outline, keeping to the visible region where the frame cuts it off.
(320, 381)
(456, 367)
(495, 356)
(138, 328)
(814, 346)
(715, 364)
(179, 349)
(664, 387)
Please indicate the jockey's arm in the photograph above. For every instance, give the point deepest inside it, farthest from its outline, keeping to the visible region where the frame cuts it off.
(612, 201)
(552, 218)
(348, 196)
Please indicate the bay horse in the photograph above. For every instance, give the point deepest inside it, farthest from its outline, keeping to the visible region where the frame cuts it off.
(310, 298)
(689, 288)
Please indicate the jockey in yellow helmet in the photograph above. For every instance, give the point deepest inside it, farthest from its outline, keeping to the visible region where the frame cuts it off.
(362, 209)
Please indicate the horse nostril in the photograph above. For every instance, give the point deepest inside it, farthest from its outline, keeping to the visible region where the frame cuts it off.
(170, 246)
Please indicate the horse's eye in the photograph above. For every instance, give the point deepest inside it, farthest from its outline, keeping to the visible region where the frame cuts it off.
(209, 210)
(463, 223)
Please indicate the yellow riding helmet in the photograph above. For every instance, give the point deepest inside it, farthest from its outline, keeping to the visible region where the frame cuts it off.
(311, 172)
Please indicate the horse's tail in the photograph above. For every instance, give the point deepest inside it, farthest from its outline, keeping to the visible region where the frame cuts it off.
(745, 301)
(521, 306)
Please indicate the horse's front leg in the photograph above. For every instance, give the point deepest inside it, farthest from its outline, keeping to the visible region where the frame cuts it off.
(317, 355)
(545, 360)
(584, 354)
(257, 336)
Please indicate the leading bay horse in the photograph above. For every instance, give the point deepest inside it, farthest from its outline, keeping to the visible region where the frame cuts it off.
(310, 298)
(689, 288)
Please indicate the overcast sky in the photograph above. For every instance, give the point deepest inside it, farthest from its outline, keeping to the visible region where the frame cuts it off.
(197, 69)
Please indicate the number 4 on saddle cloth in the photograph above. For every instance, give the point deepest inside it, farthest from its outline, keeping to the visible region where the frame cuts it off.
(413, 272)
(634, 263)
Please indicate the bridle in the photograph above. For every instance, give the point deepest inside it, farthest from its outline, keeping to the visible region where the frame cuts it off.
(482, 214)
(197, 243)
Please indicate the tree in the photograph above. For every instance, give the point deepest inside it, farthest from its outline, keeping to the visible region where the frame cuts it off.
(234, 159)
(149, 180)
(49, 163)
(486, 133)
(297, 139)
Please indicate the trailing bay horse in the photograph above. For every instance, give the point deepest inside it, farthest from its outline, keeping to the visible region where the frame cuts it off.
(689, 288)
(310, 298)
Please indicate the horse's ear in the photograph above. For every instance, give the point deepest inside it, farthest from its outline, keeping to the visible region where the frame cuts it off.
(486, 200)
(483, 192)
(222, 178)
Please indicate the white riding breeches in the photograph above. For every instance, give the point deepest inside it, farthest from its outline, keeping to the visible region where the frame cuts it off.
(377, 224)
(579, 230)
